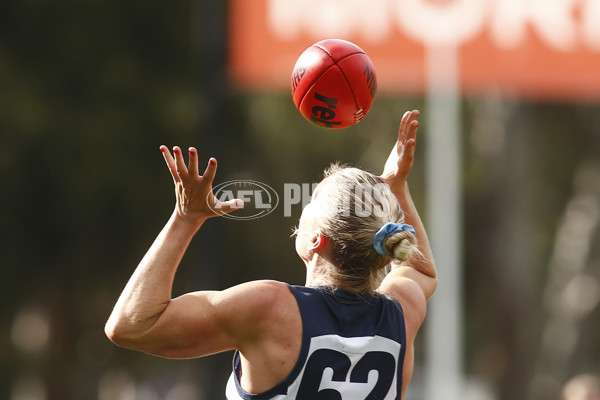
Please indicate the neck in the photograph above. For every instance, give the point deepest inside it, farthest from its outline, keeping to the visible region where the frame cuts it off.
(317, 271)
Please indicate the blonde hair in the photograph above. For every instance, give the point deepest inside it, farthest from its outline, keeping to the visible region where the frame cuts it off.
(352, 206)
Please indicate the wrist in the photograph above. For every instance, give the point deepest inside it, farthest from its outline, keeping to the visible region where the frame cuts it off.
(187, 221)
(401, 190)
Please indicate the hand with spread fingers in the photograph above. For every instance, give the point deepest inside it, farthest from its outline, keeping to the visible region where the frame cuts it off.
(349, 300)
(420, 270)
(400, 160)
(195, 198)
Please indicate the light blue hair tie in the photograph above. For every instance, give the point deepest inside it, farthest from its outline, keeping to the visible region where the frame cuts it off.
(387, 230)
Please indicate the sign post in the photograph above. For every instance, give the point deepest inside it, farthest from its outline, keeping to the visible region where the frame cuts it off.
(444, 355)
(531, 49)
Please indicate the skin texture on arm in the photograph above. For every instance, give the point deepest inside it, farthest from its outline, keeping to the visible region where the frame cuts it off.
(421, 267)
(147, 296)
(413, 282)
(145, 317)
(260, 319)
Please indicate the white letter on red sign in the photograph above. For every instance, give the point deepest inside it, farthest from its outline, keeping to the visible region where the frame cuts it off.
(591, 23)
(552, 20)
(289, 19)
(448, 24)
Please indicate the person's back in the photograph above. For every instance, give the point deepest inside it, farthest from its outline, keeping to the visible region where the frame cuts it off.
(352, 344)
(358, 234)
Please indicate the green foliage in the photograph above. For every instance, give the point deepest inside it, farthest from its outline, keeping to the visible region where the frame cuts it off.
(88, 92)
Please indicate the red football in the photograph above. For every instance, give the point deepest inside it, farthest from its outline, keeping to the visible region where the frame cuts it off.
(333, 83)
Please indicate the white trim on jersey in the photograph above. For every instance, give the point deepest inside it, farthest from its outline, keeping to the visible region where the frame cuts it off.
(356, 353)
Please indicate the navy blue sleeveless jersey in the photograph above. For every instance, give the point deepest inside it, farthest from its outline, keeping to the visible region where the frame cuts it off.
(352, 349)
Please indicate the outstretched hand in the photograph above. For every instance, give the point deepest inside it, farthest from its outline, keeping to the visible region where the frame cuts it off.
(195, 198)
(400, 160)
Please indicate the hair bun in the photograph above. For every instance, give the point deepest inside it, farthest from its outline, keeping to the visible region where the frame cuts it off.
(395, 240)
(400, 245)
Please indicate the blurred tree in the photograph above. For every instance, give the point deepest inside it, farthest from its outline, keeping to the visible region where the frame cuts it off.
(88, 92)
(520, 168)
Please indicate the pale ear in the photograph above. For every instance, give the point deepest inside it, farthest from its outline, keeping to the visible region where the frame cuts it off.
(318, 241)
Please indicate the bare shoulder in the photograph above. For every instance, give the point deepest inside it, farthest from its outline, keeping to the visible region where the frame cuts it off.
(262, 294)
(269, 333)
(258, 306)
(410, 295)
(259, 289)
(206, 322)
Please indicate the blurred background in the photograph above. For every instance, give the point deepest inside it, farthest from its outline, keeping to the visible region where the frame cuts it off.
(90, 89)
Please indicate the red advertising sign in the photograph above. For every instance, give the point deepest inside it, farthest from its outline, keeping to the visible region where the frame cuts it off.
(532, 48)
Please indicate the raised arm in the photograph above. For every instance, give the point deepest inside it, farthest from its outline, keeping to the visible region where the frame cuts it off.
(421, 267)
(144, 310)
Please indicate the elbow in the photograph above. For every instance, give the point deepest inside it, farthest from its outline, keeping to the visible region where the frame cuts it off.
(130, 334)
(432, 287)
(133, 337)
(113, 332)
(429, 285)
(121, 334)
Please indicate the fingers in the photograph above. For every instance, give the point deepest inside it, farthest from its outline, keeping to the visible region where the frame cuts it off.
(409, 150)
(176, 162)
(412, 130)
(210, 171)
(180, 166)
(193, 162)
(408, 126)
(194, 192)
(170, 162)
(410, 141)
(403, 125)
(224, 207)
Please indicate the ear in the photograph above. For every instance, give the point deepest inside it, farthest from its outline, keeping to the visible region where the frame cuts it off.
(318, 241)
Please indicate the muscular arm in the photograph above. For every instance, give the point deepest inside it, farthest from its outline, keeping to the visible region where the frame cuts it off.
(420, 267)
(147, 294)
(145, 317)
(414, 281)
